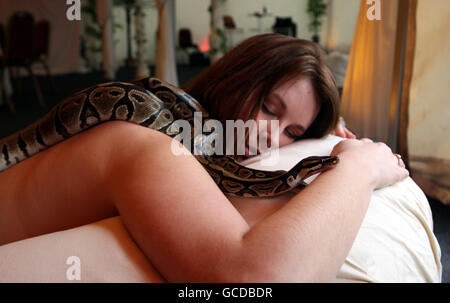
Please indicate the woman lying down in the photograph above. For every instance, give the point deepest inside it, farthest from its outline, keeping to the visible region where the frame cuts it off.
(198, 217)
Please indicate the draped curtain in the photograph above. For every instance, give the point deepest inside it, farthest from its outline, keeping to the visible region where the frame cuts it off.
(104, 14)
(429, 109)
(368, 82)
(166, 68)
(397, 89)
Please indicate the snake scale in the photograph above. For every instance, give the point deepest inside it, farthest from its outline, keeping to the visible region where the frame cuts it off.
(154, 104)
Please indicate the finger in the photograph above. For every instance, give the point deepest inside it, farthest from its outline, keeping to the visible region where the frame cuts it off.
(399, 160)
(349, 134)
(367, 140)
(339, 131)
(404, 173)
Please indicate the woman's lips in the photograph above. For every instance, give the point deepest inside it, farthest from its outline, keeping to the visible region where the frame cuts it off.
(247, 153)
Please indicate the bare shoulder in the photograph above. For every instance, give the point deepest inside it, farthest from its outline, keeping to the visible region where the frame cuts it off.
(97, 144)
(85, 157)
(64, 186)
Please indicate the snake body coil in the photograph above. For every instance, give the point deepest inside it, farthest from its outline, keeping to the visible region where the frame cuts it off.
(151, 103)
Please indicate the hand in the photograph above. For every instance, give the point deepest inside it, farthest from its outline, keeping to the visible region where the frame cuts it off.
(343, 132)
(376, 159)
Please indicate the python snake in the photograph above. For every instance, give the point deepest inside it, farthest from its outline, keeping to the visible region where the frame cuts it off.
(154, 104)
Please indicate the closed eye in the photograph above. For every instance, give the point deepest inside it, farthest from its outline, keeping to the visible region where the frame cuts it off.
(267, 111)
(294, 134)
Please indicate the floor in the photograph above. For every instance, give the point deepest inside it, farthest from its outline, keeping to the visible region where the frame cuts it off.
(441, 218)
(28, 110)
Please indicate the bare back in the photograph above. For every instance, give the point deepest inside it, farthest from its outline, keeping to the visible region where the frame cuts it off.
(60, 188)
(57, 188)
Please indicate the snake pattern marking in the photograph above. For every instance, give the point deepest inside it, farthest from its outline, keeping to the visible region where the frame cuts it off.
(157, 105)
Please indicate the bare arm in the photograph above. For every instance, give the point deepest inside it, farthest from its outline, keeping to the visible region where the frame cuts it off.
(191, 232)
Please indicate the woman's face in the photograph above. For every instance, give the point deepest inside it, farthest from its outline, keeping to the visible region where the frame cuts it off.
(295, 107)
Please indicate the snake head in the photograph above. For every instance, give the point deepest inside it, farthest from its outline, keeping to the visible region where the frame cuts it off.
(322, 161)
(329, 161)
(314, 165)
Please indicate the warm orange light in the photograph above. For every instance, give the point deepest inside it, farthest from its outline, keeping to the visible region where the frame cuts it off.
(204, 44)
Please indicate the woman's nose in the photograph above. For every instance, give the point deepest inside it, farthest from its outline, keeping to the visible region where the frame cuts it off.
(274, 132)
(278, 135)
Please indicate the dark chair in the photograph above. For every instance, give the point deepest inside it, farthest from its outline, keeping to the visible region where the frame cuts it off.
(230, 30)
(185, 39)
(19, 38)
(40, 51)
(228, 22)
(41, 39)
(285, 26)
(2, 36)
(19, 46)
(3, 89)
(188, 47)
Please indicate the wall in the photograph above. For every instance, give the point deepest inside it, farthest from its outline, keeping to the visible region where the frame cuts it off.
(337, 30)
(341, 23)
(64, 35)
(120, 37)
(429, 111)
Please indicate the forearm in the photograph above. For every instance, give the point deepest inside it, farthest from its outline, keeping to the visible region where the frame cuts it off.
(309, 238)
(191, 232)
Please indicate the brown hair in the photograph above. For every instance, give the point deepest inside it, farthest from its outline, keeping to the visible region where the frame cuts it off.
(235, 86)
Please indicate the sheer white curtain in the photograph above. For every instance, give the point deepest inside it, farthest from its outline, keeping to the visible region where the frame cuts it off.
(368, 82)
(166, 68)
(104, 14)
